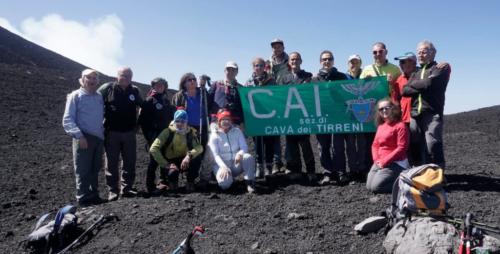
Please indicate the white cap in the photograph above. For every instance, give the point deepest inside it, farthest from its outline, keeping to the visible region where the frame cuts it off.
(355, 56)
(277, 40)
(231, 64)
(86, 72)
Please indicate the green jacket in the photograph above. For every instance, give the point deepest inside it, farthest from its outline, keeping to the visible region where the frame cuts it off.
(178, 148)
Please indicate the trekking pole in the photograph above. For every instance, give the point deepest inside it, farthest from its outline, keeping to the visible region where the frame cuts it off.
(185, 245)
(264, 156)
(203, 102)
(102, 219)
(201, 110)
(206, 104)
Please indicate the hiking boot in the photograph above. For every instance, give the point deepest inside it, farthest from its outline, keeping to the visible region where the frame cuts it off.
(312, 178)
(173, 186)
(98, 200)
(189, 187)
(268, 171)
(276, 169)
(279, 164)
(250, 187)
(294, 176)
(112, 196)
(342, 178)
(259, 172)
(130, 193)
(358, 176)
(203, 185)
(326, 180)
(160, 189)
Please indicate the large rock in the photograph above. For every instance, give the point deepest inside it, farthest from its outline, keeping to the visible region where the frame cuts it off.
(422, 235)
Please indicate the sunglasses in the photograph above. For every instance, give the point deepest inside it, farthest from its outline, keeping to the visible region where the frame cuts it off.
(383, 109)
(190, 79)
(258, 65)
(326, 59)
(375, 52)
(402, 61)
(180, 121)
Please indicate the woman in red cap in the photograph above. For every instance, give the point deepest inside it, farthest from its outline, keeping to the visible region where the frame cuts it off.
(230, 151)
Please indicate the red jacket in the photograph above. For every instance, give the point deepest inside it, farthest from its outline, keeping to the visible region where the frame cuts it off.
(404, 102)
(391, 143)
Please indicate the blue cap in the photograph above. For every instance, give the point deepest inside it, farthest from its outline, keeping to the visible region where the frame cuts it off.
(180, 115)
(407, 55)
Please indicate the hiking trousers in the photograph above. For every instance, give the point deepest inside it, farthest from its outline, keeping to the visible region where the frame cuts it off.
(295, 144)
(332, 161)
(153, 166)
(124, 144)
(87, 164)
(246, 166)
(381, 180)
(356, 152)
(265, 149)
(428, 127)
(191, 172)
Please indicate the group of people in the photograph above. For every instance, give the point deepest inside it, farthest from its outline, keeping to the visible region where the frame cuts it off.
(197, 123)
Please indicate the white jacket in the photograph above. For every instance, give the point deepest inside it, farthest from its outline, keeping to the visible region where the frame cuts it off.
(225, 146)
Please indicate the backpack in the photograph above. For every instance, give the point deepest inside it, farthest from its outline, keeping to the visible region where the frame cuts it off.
(54, 235)
(189, 140)
(420, 190)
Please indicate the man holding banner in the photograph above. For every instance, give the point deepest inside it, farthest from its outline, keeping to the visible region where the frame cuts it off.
(264, 145)
(296, 143)
(334, 165)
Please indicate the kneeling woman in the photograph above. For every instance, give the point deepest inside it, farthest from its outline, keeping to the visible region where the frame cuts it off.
(230, 151)
(389, 148)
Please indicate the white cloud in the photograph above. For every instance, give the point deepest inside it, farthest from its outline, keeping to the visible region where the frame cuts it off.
(6, 24)
(97, 44)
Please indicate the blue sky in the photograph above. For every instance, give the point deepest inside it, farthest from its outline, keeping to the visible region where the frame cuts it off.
(169, 38)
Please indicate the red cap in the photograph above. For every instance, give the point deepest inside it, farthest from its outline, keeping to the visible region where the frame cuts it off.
(223, 114)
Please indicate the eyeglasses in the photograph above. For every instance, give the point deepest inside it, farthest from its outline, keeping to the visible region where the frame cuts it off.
(375, 52)
(383, 109)
(190, 79)
(258, 65)
(327, 59)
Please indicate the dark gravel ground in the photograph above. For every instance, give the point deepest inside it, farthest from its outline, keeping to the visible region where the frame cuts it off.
(37, 176)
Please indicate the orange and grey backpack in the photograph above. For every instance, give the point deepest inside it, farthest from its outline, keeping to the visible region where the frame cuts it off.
(420, 190)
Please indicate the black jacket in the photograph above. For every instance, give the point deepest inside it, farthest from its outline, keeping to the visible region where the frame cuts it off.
(232, 101)
(120, 106)
(427, 89)
(156, 114)
(329, 75)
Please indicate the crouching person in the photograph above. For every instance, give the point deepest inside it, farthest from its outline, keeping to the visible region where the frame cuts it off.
(178, 149)
(230, 151)
(389, 148)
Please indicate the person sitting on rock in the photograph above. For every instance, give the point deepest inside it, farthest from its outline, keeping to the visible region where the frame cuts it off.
(177, 148)
(230, 151)
(389, 148)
